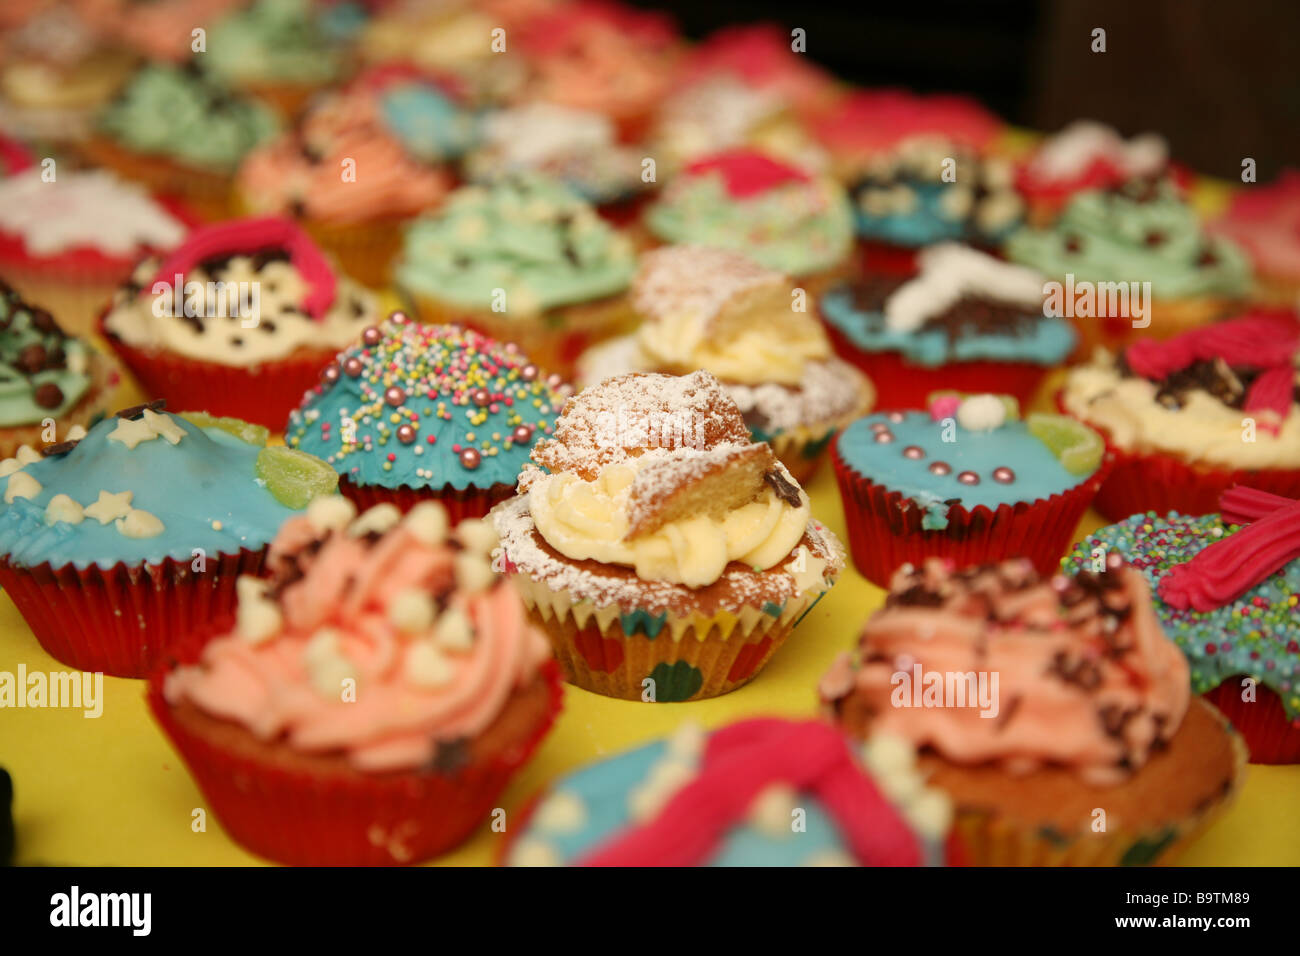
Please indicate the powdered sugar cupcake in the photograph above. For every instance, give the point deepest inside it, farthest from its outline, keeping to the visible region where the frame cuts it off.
(716, 310)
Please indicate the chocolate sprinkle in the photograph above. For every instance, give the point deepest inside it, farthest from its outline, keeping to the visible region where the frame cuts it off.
(784, 489)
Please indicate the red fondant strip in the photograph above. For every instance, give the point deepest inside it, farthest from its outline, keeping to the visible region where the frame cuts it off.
(1272, 392)
(1242, 505)
(1229, 568)
(1262, 339)
(746, 172)
(738, 763)
(249, 236)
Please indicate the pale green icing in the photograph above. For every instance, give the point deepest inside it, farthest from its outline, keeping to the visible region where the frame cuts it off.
(797, 228)
(1115, 237)
(526, 237)
(183, 115)
(272, 41)
(63, 364)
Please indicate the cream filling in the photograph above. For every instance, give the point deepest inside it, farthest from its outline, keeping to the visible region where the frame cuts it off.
(750, 356)
(588, 520)
(1203, 431)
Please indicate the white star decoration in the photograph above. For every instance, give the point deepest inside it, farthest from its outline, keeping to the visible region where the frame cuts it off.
(110, 506)
(131, 432)
(164, 425)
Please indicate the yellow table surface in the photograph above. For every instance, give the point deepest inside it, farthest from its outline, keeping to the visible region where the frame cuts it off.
(110, 791)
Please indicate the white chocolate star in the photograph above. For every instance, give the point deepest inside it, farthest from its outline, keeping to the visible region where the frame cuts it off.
(21, 485)
(110, 506)
(165, 426)
(130, 432)
(65, 509)
(140, 524)
(75, 433)
(28, 455)
(9, 466)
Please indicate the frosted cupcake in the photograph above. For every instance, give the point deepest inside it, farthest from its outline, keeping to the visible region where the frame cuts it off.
(1189, 418)
(375, 694)
(1265, 221)
(256, 314)
(181, 134)
(967, 322)
(68, 243)
(666, 556)
(1090, 713)
(732, 798)
(715, 310)
(1137, 233)
(427, 412)
(118, 543)
(524, 260)
(776, 214)
(362, 163)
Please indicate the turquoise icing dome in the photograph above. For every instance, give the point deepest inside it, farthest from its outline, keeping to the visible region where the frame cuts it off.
(429, 123)
(427, 406)
(137, 490)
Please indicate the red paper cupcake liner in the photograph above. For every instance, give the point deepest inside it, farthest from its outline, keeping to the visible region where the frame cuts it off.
(1140, 482)
(263, 394)
(310, 819)
(460, 503)
(883, 258)
(1270, 735)
(885, 527)
(901, 384)
(124, 620)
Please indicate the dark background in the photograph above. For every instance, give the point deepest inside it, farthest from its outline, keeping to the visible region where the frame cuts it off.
(1219, 78)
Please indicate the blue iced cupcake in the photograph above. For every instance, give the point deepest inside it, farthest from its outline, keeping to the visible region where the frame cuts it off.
(764, 792)
(427, 412)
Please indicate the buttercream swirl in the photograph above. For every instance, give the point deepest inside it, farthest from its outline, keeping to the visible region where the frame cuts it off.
(272, 41)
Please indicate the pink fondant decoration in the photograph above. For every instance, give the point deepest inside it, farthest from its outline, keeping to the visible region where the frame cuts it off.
(747, 172)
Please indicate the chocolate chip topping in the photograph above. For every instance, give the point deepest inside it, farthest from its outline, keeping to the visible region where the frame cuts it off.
(136, 411)
(60, 448)
(783, 487)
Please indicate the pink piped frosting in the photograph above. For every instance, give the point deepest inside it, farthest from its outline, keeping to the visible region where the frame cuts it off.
(875, 121)
(247, 237)
(1265, 220)
(348, 587)
(747, 172)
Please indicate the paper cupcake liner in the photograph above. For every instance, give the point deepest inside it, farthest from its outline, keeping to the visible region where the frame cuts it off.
(690, 657)
(103, 383)
(990, 840)
(263, 394)
(1153, 481)
(124, 620)
(206, 193)
(461, 503)
(902, 384)
(885, 529)
(347, 819)
(1270, 736)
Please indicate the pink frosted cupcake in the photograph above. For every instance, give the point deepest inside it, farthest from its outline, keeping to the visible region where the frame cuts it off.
(374, 696)
(1265, 221)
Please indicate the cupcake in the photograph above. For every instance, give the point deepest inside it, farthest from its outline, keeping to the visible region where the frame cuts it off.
(765, 792)
(1265, 221)
(1083, 156)
(427, 412)
(575, 147)
(277, 50)
(455, 692)
(1053, 712)
(967, 481)
(53, 382)
(967, 322)
(181, 134)
(56, 71)
(1188, 418)
(239, 320)
(158, 30)
(665, 555)
(352, 173)
(1108, 244)
(777, 214)
(602, 56)
(715, 310)
(69, 243)
(761, 56)
(1225, 587)
(118, 545)
(522, 260)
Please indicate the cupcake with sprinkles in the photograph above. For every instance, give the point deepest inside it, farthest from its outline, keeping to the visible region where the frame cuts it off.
(455, 691)
(238, 320)
(968, 481)
(966, 322)
(1034, 701)
(118, 542)
(1186, 419)
(1226, 588)
(665, 555)
(716, 310)
(729, 799)
(424, 412)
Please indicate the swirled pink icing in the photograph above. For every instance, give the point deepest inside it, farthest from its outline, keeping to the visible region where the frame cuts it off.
(1085, 678)
(345, 586)
(1228, 568)
(878, 120)
(1266, 221)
